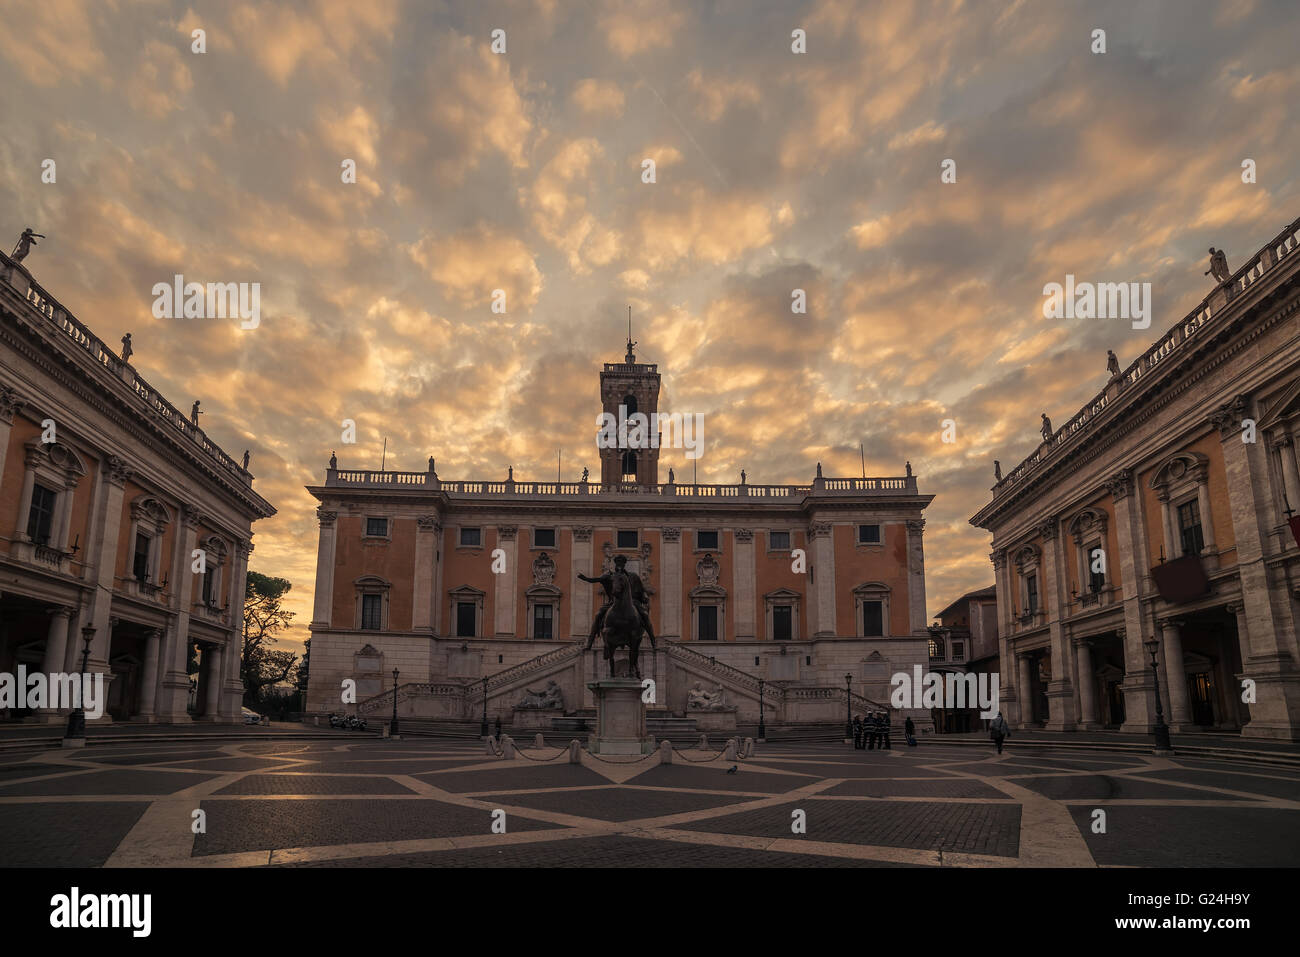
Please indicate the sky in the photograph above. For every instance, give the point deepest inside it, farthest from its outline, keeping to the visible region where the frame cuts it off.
(523, 171)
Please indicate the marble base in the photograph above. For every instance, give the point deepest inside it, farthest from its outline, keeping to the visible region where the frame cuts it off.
(534, 719)
(723, 719)
(620, 717)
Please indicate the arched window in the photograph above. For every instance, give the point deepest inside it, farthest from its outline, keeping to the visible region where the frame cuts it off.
(629, 402)
(629, 466)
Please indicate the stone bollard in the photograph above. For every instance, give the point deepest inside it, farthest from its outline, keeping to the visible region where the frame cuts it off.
(491, 745)
(316, 721)
(654, 742)
(730, 753)
(508, 747)
(704, 742)
(539, 741)
(666, 753)
(575, 751)
(749, 747)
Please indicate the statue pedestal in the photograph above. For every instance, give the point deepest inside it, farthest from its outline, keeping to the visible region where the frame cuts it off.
(620, 717)
(535, 719)
(719, 719)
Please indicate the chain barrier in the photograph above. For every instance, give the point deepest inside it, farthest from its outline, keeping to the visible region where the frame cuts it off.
(637, 761)
(519, 752)
(677, 754)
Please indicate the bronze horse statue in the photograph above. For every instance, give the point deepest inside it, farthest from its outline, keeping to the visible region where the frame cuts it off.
(622, 626)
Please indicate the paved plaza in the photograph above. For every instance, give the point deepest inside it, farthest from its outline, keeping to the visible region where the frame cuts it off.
(347, 800)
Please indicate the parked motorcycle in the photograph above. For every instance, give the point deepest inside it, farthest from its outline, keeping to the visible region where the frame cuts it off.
(356, 722)
(338, 721)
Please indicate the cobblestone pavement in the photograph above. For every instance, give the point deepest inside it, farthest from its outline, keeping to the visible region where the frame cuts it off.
(349, 801)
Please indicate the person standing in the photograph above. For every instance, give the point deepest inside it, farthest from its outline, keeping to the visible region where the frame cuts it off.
(873, 730)
(884, 730)
(909, 731)
(857, 733)
(999, 731)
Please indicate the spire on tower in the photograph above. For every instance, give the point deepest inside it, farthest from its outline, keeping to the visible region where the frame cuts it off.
(631, 356)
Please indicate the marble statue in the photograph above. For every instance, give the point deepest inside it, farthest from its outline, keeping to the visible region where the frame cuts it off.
(703, 700)
(1218, 265)
(552, 696)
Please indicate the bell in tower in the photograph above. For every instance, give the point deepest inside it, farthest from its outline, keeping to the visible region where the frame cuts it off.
(630, 388)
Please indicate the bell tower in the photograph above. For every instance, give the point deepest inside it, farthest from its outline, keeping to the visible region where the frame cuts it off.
(635, 387)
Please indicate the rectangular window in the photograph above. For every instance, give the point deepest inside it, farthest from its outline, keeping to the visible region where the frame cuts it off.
(1031, 593)
(472, 537)
(140, 564)
(41, 517)
(958, 650)
(627, 539)
(778, 541)
(708, 623)
(1096, 579)
(372, 609)
(706, 540)
(936, 649)
(207, 588)
(465, 614)
(377, 527)
(543, 538)
(868, 534)
(873, 618)
(543, 615)
(1189, 528)
(782, 622)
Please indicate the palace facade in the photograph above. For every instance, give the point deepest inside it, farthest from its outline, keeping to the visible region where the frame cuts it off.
(1162, 516)
(469, 589)
(106, 493)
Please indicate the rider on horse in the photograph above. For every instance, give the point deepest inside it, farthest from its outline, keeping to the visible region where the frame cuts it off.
(639, 599)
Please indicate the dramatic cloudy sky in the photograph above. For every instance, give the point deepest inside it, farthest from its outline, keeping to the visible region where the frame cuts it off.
(522, 172)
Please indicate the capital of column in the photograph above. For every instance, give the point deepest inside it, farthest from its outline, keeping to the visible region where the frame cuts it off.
(671, 533)
(326, 516)
(1283, 442)
(507, 532)
(916, 525)
(1120, 485)
(428, 523)
(1047, 530)
(190, 516)
(1227, 417)
(582, 533)
(744, 535)
(10, 404)
(819, 530)
(118, 471)
(59, 611)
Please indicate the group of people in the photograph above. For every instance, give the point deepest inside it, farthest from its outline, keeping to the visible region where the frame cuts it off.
(873, 732)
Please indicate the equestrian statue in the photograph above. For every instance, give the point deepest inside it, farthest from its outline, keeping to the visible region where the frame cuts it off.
(623, 617)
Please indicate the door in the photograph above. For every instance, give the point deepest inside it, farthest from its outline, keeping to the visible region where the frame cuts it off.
(1200, 688)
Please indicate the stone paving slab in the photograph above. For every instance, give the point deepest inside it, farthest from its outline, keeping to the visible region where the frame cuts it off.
(313, 784)
(1193, 837)
(1110, 788)
(870, 767)
(124, 781)
(228, 764)
(612, 851)
(716, 778)
(509, 779)
(81, 834)
(616, 804)
(969, 828)
(10, 772)
(266, 825)
(951, 788)
(1254, 781)
(142, 758)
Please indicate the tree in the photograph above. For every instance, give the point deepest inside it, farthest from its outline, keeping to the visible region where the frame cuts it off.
(264, 618)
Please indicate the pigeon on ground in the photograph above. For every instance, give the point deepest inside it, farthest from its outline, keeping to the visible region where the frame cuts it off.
(733, 769)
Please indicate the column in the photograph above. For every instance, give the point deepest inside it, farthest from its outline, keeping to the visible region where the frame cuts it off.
(149, 677)
(426, 545)
(212, 656)
(56, 647)
(175, 689)
(1139, 697)
(232, 696)
(1060, 713)
(743, 584)
(1270, 649)
(324, 597)
(1087, 690)
(1171, 546)
(916, 576)
(1008, 688)
(580, 610)
(503, 600)
(25, 497)
(106, 528)
(10, 405)
(1290, 477)
(821, 602)
(670, 577)
(1175, 675)
(1023, 692)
